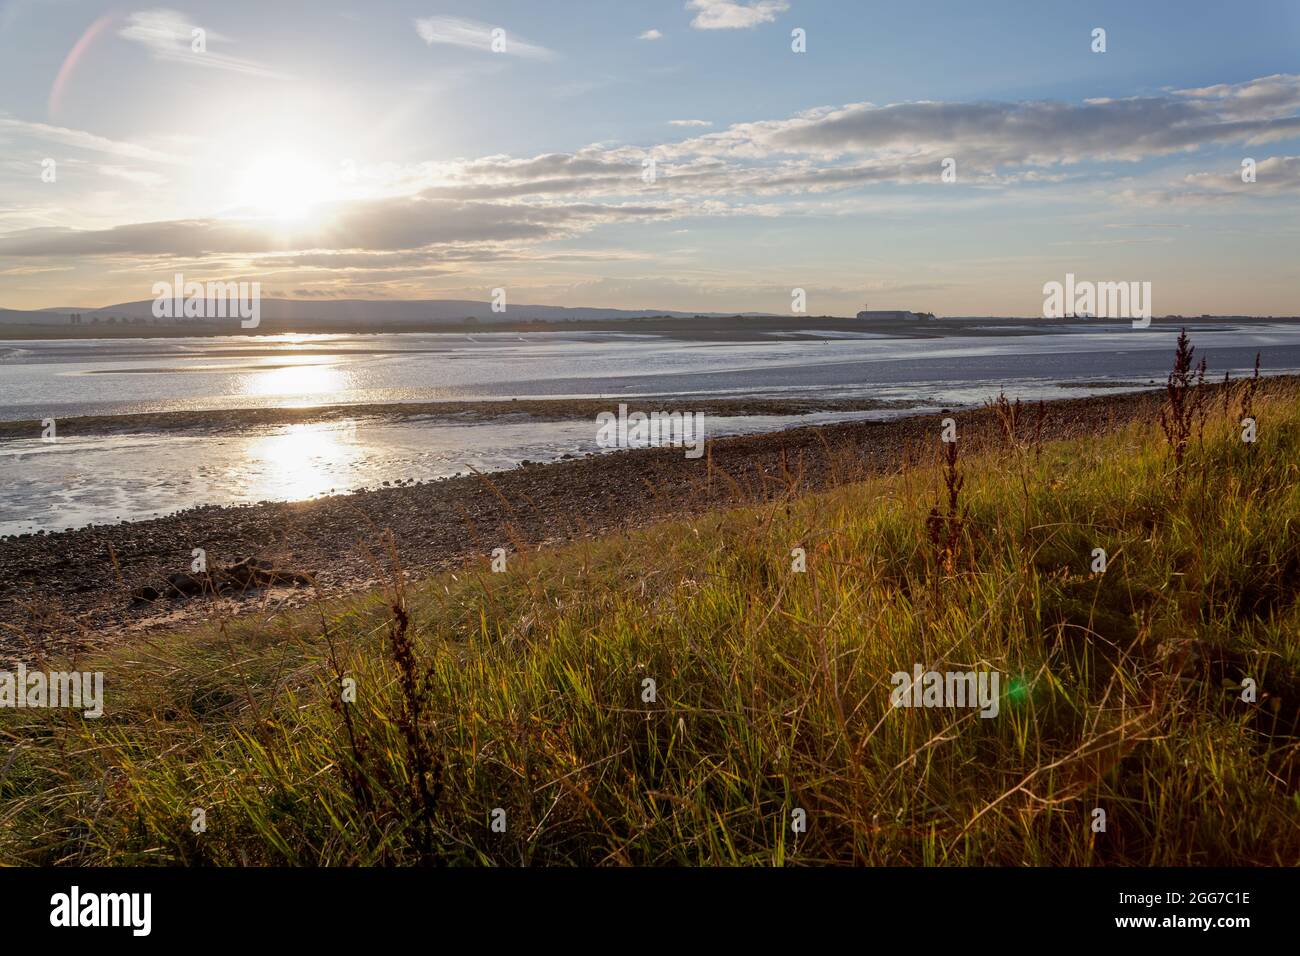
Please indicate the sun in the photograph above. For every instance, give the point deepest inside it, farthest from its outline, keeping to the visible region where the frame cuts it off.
(283, 186)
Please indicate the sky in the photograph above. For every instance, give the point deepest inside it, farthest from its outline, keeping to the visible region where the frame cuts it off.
(674, 154)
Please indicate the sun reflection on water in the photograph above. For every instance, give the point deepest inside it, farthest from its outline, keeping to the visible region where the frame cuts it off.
(309, 378)
(301, 461)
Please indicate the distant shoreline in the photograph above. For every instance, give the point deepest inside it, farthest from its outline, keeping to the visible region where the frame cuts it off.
(733, 329)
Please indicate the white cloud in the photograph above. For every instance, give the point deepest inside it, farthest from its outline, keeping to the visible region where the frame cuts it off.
(1023, 133)
(1275, 95)
(476, 35)
(80, 139)
(169, 37)
(500, 204)
(651, 35)
(1274, 174)
(734, 14)
(835, 148)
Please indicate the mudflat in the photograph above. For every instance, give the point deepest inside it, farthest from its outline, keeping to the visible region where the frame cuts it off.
(68, 591)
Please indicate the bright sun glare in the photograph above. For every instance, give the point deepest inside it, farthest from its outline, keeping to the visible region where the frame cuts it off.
(308, 378)
(301, 461)
(283, 186)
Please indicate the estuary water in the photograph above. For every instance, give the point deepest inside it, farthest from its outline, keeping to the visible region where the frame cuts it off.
(76, 481)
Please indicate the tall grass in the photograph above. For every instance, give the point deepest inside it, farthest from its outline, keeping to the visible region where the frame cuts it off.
(524, 691)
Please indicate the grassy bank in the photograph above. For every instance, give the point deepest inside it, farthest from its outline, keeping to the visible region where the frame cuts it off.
(526, 690)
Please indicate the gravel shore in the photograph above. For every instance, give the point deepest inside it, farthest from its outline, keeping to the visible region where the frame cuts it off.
(64, 592)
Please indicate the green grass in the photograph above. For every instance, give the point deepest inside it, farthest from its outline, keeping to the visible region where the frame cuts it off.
(773, 689)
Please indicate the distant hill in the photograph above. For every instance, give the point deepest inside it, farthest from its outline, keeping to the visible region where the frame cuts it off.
(19, 317)
(353, 312)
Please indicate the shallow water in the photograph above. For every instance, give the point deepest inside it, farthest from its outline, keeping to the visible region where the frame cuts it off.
(54, 379)
(73, 482)
(101, 479)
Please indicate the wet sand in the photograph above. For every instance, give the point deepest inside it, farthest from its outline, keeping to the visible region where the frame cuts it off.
(71, 590)
(237, 420)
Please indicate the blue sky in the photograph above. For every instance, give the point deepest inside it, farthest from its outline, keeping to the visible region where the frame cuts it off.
(387, 150)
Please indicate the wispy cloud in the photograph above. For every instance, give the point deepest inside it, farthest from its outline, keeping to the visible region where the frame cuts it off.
(1147, 225)
(80, 139)
(141, 177)
(835, 148)
(476, 35)
(651, 35)
(1275, 176)
(734, 14)
(169, 37)
(1275, 95)
(496, 206)
(381, 225)
(1025, 133)
(33, 270)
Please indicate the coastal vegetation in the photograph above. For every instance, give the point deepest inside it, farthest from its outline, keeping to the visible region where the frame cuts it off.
(677, 694)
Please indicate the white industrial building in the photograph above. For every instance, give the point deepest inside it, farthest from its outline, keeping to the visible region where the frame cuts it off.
(895, 315)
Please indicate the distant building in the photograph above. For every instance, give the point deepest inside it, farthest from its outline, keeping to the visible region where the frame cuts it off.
(895, 315)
